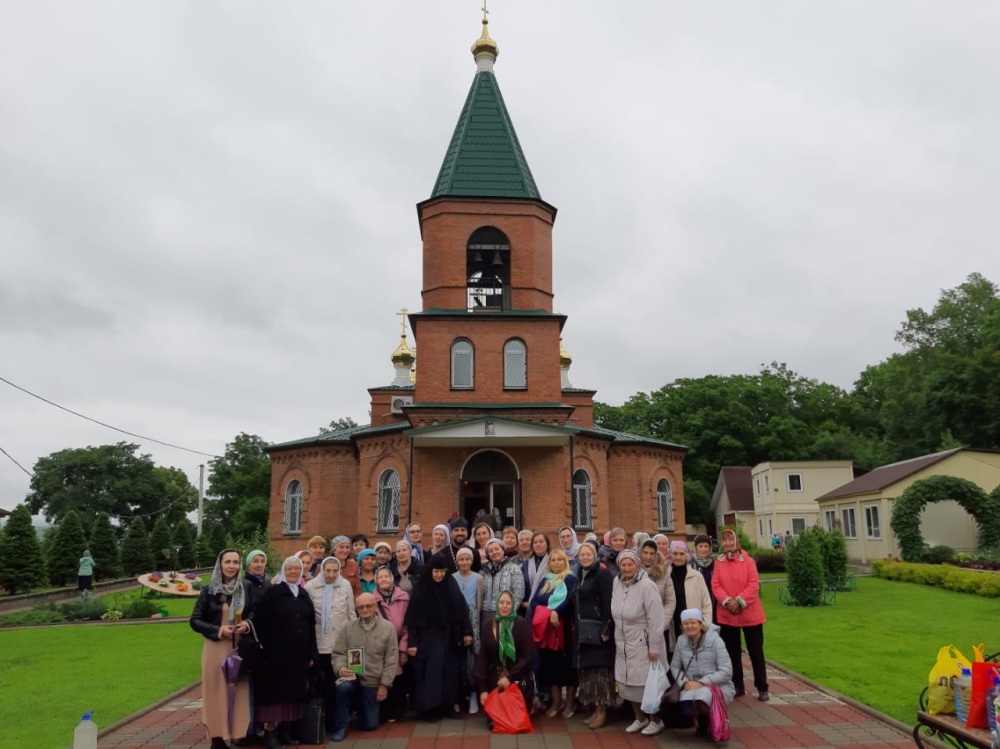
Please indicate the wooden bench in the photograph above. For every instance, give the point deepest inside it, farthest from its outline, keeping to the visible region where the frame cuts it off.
(950, 730)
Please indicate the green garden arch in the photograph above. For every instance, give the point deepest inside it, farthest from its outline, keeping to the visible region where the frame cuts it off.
(984, 508)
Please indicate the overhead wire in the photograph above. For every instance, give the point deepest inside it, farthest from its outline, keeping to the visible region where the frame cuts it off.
(101, 423)
(14, 461)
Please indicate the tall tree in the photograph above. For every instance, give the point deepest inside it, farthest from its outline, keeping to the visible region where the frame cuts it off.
(109, 478)
(22, 566)
(66, 549)
(204, 552)
(161, 545)
(136, 556)
(184, 538)
(345, 422)
(179, 496)
(240, 485)
(104, 549)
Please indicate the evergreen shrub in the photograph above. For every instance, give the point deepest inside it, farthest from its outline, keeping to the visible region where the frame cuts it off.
(804, 566)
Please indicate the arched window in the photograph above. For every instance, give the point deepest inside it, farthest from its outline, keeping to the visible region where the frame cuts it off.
(462, 364)
(487, 268)
(388, 502)
(515, 364)
(665, 505)
(583, 515)
(293, 507)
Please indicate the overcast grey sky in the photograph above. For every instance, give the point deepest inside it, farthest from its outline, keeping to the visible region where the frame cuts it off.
(207, 213)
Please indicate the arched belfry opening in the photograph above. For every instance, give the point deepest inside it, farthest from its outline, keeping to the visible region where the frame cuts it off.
(488, 270)
(490, 480)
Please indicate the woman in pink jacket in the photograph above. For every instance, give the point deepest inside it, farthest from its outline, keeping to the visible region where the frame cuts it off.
(392, 602)
(736, 587)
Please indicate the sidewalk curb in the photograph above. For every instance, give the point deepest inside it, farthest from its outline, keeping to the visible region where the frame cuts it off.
(148, 709)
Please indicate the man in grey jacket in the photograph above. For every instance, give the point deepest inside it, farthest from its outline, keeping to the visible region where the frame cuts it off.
(365, 655)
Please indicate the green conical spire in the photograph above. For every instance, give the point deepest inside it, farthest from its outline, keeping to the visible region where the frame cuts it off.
(485, 158)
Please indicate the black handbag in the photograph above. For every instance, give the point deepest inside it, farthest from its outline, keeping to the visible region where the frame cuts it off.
(589, 632)
(312, 726)
(251, 651)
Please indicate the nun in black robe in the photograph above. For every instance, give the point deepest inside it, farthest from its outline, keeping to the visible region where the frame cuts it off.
(440, 633)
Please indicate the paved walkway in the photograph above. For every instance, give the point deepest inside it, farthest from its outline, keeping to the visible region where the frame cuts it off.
(798, 715)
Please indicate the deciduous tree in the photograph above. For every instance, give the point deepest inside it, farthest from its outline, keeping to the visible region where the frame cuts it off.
(239, 485)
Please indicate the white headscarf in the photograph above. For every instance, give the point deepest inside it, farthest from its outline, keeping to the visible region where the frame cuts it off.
(294, 587)
(574, 547)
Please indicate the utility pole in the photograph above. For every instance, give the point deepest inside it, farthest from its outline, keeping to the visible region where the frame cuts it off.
(201, 496)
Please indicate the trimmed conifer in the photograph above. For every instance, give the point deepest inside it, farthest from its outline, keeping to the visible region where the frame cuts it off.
(68, 545)
(804, 566)
(203, 550)
(22, 566)
(161, 545)
(104, 549)
(136, 556)
(183, 538)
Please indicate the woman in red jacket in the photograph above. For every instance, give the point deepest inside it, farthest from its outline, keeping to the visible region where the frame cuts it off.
(736, 587)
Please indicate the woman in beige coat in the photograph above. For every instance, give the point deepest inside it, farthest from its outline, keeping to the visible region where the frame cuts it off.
(333, 600)
(690, 591)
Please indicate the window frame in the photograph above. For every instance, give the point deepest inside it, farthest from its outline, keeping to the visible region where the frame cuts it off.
(664, 504)
(472, 364)
(791, 524)
(788, 482)
(293, 508)
(849, 529)
(507, 372)
(388, 500)
(583, 501)
(767, 484)
(870, 510)
(830, 520)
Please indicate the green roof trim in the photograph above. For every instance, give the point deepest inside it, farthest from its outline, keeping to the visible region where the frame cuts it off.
(484, 158)
(628, 438)
(341, 436)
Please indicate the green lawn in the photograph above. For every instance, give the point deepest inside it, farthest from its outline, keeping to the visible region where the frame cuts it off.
(49, 677)
(878, 643)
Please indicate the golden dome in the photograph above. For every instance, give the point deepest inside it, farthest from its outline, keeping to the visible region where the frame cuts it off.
(564, 358)
(484, 45)
(403, 355)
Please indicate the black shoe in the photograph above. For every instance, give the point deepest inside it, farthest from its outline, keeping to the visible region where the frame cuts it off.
(763, 696)
(271, 740)
(430, 716)
(702, 729)
(219, 743)
(740, 691)
(284, 737)
(454, 714)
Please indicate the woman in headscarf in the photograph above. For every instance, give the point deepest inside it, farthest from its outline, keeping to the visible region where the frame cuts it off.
(340, 547)
(569, 543)
(500, 573)
(85, 572)
(736, 586)
(439, 630)
(333, 603)
(256, 577)
(366, 576)
(383, 553)
(662, 545)
(655, 565)
(535, 567)
(552, 630)
(617, 540)
(392, 603)
(286, 625)
(637, 612)
(218, 618)
(690, 591)
(405, 568)
(482, 533)
(471, 585)
(700, 660)
(505, 649)
(440, 540)
(415, 539)
(595, 661)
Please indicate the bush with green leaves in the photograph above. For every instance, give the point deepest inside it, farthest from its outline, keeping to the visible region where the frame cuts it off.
(139, 608)
(66, 549)
(938, 555)
(985, 584)
(769, 561)
(39, 614)
(834, 549)
(136, 556)
(104, 549)
(258, 539)
(804, 566)
(22, 566)
(86, 608)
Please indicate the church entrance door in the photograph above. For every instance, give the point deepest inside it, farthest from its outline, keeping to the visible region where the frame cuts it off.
(490, 480)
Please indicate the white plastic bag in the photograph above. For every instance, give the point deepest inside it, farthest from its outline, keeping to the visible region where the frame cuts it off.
(656, 685)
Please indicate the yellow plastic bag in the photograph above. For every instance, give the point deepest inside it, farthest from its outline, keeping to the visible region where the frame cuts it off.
(940, 695)
(979, 653)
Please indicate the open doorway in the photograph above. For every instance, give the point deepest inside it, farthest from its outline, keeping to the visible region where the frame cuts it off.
(489, 482)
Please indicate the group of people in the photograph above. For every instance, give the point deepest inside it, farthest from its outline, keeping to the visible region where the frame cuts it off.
(380, 630)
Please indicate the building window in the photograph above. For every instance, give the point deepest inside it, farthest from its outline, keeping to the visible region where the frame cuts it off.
(760, 526)
(293, 507)
(798, 525)
(872, 528)
(583, 515)
(515, 364)
(487, 268)
(388, 502)
(831, 519)
(665, 505)
(795, 482)
(757, 482)
(767, 484)
(849, 527)
(462, 365)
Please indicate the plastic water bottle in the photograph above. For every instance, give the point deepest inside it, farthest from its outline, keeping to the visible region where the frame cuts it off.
(85, 735)
(993, 702)
(963, 694)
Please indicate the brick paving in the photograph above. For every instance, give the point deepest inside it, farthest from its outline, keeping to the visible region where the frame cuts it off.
(798, 715)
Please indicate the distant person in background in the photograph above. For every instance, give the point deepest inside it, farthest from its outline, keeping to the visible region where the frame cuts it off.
(317, 551)
(85, 574)
(359, 542)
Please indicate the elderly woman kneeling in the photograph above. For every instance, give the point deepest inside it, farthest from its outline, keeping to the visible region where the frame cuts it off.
(701, 660)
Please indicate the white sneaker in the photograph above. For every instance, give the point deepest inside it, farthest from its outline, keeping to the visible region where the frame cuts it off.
(637, 725)
(653, 728)
(473, 704)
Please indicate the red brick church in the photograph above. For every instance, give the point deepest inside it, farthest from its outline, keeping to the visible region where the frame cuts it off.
(489, 419)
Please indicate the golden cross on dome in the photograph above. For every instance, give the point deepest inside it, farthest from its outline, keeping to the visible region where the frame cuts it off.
(486, 13)
(404, 312)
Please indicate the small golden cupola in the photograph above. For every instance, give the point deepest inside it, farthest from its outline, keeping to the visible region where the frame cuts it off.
(403, 357)
(485, 50)
(565, 362)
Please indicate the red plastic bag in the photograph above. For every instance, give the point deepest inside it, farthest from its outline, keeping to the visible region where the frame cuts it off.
(508, 710)
(718, 715)
(982, 680)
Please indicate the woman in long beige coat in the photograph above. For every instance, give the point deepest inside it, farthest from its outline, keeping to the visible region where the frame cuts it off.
(637, 612)
(333, 601)
(690, 591)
